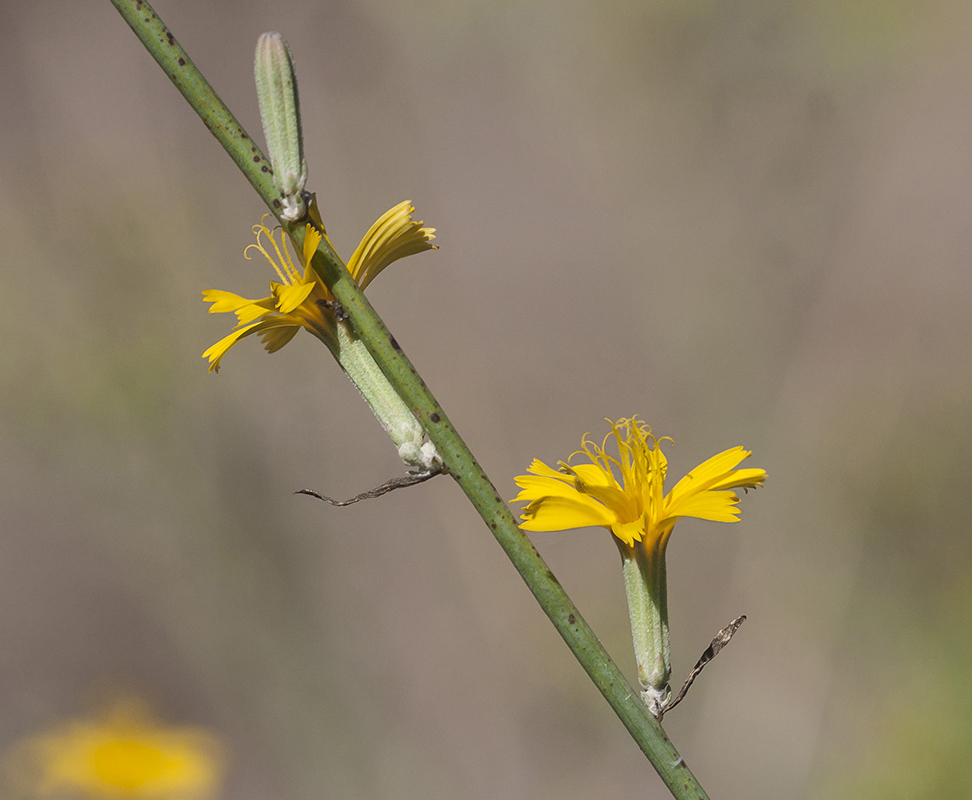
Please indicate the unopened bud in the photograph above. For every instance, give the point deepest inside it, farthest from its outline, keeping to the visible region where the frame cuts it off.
(276, 83)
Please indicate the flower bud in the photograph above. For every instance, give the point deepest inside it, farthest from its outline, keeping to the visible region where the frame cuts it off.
(276, 83)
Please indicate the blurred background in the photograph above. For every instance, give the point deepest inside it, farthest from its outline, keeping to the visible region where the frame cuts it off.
(745, 221)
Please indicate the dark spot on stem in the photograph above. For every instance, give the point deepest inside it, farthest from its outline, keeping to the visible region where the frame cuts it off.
(435, 418)
(276, 203)
(182, 62)
(492, 525)
(264, 168)
(170, 37)
(571, 619)
(256, 159)
(395, 344)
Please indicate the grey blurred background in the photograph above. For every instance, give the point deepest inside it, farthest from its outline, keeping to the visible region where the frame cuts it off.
(745, 221)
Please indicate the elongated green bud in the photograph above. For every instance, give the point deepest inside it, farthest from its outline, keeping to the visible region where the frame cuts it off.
(276, 83)
(396, 417)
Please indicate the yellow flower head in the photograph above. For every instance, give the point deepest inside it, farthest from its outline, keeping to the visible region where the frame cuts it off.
(299, 299)
(636, 509)
(123, 754)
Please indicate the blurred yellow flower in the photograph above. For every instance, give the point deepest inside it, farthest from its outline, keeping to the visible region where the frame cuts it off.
(635, 510)
(124, 753)
(300, 299)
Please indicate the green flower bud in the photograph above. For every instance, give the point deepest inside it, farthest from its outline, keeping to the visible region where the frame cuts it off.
(276, 83)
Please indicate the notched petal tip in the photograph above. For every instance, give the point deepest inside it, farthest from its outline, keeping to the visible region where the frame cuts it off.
(312, 238)
(290, 297)
(629, 532)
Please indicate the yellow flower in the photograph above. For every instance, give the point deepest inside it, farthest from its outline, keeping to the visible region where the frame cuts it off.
(124, 753)
(300, 299)
(636, 509)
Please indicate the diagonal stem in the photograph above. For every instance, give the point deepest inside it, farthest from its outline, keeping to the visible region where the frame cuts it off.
(459, 461)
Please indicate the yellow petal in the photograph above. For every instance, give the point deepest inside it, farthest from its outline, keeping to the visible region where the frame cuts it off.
(708, 473)
(218, 350)
(246, 311)
(394, 236)
(629, 532)
(312, 238)
(223, 302)
(750, 478)
(290, 297)
(542, 482)
(564, 513)
(539, 468)
(536, 487)
(605, 488)
(716, 506)
(254, 311)
(593, 475)
(277, 336)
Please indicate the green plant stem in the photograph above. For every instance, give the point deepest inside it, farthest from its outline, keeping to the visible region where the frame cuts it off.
(459, 461)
